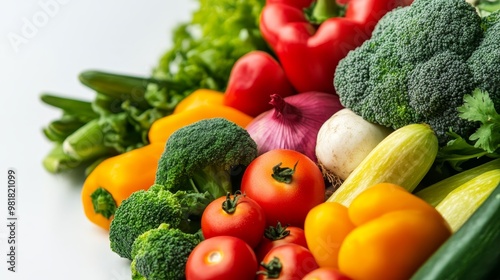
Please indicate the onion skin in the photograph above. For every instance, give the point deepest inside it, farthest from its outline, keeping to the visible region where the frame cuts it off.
(294, 122)
(344, 140)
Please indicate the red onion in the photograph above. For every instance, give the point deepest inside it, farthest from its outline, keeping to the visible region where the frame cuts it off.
(294, 122)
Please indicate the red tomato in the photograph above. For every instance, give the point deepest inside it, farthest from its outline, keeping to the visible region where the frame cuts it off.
(325, 273)
(221, 257)
(279, 235)
(294, 262)
(286, 183)
(236, 215)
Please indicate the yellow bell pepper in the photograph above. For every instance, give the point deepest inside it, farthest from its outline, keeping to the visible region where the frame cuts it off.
(395, 233)
(385, 233)
(325, 227)
(115, 179)
(200, 97)
(199, 105)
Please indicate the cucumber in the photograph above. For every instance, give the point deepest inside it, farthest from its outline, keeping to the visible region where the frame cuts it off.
(402, 158)
(436, 192)
(459, 204)
(473, 252)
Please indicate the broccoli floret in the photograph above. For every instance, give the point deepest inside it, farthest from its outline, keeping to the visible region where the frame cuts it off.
(161, 253)
(485, 61)
(414, 67)
(435, 91)
(200, 156)
(145, 210)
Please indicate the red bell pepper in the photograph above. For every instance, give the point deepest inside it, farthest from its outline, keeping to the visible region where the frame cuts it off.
(253, 78)
(309, 52)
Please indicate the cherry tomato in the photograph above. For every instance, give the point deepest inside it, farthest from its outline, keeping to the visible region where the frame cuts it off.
(325, 273)
(279, 235)
(286, 183)
(288, 261)
(234, 215)
(221, 257)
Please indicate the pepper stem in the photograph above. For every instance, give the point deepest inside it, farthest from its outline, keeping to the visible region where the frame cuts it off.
(322, 10)
(272, 269)
(283, 174)
(103, 202)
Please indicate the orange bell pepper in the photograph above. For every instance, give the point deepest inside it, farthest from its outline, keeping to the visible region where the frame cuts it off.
(395, 233)
(115, 179)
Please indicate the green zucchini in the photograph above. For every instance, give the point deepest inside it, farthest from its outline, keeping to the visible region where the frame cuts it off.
(473, 252)
(436, 192)
(402, 158)
(461, 202)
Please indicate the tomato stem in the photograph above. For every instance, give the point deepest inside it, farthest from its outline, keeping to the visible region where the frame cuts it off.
(277, 232)
(283, 174)
(229, 205)
(272, 269)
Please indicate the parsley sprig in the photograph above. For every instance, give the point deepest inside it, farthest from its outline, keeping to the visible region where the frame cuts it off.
(485, 141)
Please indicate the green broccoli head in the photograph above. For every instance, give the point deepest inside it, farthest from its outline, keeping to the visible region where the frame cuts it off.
(161, 253)
(414, 67)
(201, 156)
(145, 210)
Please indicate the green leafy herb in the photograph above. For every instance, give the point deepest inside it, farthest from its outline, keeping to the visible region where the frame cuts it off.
(479, 107)
(485, 141)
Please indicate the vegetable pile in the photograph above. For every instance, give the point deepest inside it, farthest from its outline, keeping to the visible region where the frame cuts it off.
(302, 140)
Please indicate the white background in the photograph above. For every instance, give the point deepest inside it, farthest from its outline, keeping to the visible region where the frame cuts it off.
(54, 239)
